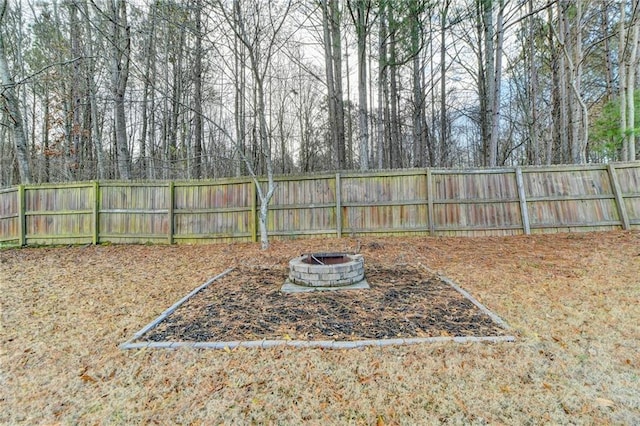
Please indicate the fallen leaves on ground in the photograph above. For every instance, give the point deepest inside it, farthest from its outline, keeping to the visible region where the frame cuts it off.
(572, 299)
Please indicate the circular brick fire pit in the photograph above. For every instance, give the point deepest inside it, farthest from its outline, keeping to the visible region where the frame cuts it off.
(325, 271)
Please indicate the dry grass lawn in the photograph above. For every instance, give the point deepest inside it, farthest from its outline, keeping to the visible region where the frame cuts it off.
(573, 300)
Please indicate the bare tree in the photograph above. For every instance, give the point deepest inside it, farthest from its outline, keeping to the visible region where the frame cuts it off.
(120, 60)
(361, 20)
(240, 82)
(382, 118)
(444, 122)
(197, 95)
(12, 107)
(331, 21)
(569, 38)
(533, 153)
(260, 40)
(490, 75)
(629, 59)
(431, 85)
(420, 131)
(395, 149)
(91, 71)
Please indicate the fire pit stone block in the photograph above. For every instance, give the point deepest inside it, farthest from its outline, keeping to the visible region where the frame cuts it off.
(325, 271)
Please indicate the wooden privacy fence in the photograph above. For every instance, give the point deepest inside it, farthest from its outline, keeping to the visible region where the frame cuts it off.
(504, 201)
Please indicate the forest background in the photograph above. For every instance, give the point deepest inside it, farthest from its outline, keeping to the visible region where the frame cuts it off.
(115, 89)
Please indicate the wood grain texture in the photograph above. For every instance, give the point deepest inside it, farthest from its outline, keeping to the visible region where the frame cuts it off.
(476, 202)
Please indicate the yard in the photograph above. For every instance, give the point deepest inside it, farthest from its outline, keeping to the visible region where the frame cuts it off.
(573, 301)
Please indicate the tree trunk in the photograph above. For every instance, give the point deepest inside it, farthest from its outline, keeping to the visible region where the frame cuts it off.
(564, 92)
(605, 31)
(578, 140)
(348, 140)
(265, 147)
(76, 95)
(259, 51)
(382, 84)
(44, 171)
(93, 103)
(197, 95)
(13, 109)
(239, 94)
(331, 95)
(533, 152)
(622, 76)
(371, 98)
(558, 149)
(629, 62)
(418, 104)
(631, 79)
(150, 138)
(363, 102)
(165, 165)
(148, 91)
(574, 108)
(490, 150)
(444, 130)
(120, 56)
(176, 102)
(361, 22)
(482, 86)
(336, 42)
(496, 85)
(395, 140)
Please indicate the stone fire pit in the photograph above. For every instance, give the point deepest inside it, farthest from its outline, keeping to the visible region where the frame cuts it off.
(325, 271)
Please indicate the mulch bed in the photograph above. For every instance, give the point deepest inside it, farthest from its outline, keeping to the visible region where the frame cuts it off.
(247, 304)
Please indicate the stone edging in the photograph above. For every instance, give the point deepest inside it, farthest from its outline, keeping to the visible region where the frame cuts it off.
(325, 344)
(173, 307)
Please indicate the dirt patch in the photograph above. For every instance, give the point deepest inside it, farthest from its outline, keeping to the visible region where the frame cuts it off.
(572, 299)
(402, 302)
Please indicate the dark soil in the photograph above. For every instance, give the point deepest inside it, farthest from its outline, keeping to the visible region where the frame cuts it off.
(247, 304)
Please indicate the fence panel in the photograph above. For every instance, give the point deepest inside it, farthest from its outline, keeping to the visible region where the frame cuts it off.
(566, 199)
(629, 179)
(9, 217)
(385, 203)
(221, 211)
(501, 201)
(474, 202)
(59, 214)
(303, 206)
(134, 212)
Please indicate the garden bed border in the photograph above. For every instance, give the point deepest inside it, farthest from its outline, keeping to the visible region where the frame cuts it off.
(324, 344)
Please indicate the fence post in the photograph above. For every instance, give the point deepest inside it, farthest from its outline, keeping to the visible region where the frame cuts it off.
(617, 192)
(338, 205)
(430, 215)
(524, 212)
(96, 213)
(22, 220)
(171, 207)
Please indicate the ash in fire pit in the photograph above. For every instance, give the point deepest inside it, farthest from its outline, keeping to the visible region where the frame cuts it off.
(325, 258)
(325, 271)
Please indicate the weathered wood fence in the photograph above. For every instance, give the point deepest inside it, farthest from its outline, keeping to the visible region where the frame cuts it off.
(502, 201)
